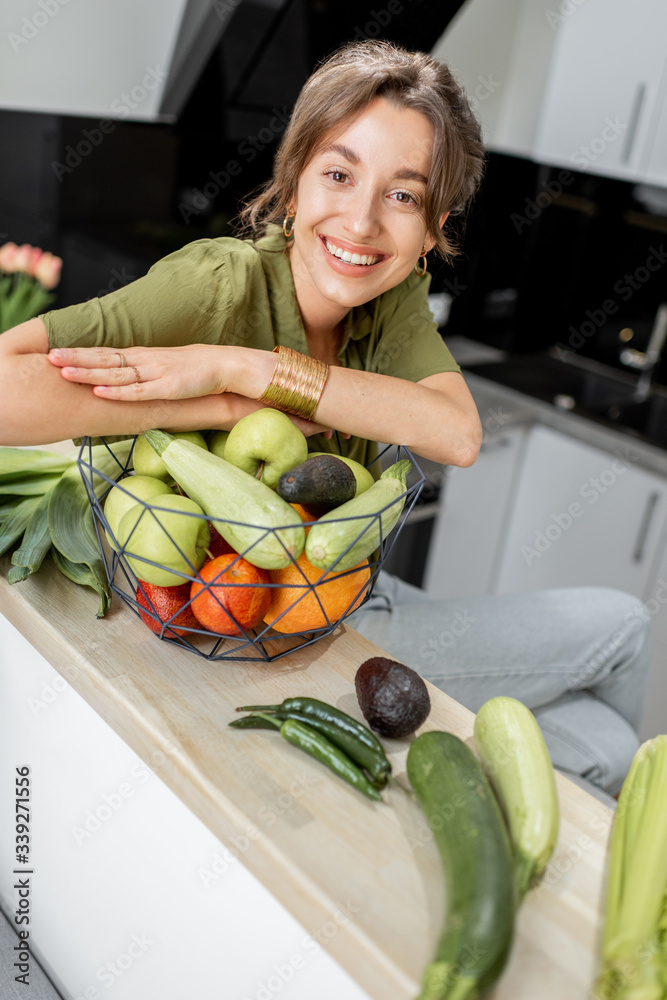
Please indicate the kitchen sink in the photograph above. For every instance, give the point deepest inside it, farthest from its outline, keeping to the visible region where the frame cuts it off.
(586, 387)
(647, 417)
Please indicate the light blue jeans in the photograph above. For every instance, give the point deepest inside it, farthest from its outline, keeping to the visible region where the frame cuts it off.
(578, 657)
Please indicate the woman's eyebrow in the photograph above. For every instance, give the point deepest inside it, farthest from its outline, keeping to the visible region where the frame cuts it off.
(407, 174)
(345, 151)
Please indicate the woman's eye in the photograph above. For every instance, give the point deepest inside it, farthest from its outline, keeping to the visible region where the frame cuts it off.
(337, 175)
(405, 198)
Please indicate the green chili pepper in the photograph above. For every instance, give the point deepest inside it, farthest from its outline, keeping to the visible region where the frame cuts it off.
(318, 746)
(301, 735)
(348, 739)
(353, 737)
(254, 722)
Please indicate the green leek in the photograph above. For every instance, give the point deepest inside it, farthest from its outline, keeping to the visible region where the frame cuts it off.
(29, 485)
(16, 463)
(35, 544)
(71, 520)
(14, 526)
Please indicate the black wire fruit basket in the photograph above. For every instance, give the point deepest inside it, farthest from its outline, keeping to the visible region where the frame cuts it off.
(303, 603)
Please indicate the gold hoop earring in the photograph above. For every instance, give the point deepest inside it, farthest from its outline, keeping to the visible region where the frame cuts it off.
(422, 256)
(286, 223)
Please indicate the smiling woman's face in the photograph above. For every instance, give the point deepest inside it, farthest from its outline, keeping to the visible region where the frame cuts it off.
(360, 224)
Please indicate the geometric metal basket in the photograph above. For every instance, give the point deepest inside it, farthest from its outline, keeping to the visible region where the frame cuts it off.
(262, 643)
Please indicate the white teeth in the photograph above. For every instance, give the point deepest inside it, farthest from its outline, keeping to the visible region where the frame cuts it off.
(351, 258)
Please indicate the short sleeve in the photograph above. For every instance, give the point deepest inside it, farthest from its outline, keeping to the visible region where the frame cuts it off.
(187, 297)
(408, 343)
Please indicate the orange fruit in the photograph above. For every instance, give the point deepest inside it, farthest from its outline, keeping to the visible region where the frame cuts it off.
(165, 602)
(316, 606)
(303, 514)
(230, 594)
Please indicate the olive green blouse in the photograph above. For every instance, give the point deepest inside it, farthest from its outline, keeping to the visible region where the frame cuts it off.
(230, 291)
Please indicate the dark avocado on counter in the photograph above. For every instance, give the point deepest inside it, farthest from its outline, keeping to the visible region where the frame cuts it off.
(393, 698)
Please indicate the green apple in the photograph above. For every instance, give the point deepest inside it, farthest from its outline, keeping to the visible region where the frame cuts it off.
(217, 443)
(147, 462)
(124, 495)
(166, 533)
(265, 444)
(362, 475)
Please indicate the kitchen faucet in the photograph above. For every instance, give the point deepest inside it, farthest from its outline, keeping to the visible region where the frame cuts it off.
(648, 361)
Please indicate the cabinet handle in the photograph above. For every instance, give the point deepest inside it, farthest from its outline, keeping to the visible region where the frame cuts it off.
(640, 94)
(644, 526)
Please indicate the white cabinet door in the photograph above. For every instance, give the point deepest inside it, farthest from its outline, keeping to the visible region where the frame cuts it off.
(581, 516)
(133, 896)
(655, 170)
(463, 553)
(602, 93)
(655, 597)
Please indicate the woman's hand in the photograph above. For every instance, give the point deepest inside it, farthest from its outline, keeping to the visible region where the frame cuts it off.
(146, 373)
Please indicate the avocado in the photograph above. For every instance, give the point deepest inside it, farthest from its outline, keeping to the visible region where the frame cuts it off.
(319, 484)
(393, 698)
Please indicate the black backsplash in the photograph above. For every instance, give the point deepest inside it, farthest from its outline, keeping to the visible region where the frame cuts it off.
(556, 257)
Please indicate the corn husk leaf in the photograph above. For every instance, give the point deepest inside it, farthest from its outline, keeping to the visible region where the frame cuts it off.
(36, 543)
(633, 943)
(19, 463)
(17, 522)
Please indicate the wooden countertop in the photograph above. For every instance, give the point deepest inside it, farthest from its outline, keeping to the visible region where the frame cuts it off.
(364, 879)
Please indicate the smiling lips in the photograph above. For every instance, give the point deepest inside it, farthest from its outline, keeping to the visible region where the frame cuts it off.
(366, 260)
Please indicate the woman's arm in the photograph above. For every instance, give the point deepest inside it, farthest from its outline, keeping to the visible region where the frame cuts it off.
(436, 417)
(39, 406)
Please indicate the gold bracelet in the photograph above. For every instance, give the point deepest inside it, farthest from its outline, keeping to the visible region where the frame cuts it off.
(297, 383)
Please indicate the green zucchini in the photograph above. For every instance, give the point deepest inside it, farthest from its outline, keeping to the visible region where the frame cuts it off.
(474, 848)
(250, 516)
(351, 532)
(515, 757)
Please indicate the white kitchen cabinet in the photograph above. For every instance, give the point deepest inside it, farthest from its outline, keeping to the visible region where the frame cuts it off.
(603, 89)
(580, 84)
(540, 509)
(656, 162)
(655, 598)
(581, 516)
(473, 509)
(133, 896)
(501, 54)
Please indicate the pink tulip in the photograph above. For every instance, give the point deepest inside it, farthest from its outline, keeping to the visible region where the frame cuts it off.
(7, 257)
(35, 254)
(22, 258)
(48, 270)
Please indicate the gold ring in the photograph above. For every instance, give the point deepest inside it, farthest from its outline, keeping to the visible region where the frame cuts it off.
(123, 362)
(136, 372)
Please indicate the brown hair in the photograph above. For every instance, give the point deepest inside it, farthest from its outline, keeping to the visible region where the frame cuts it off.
(339, 90)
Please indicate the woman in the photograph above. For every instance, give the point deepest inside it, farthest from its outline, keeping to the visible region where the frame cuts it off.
(381, 149)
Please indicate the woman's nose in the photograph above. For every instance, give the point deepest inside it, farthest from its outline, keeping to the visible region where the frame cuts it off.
(363, 214)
